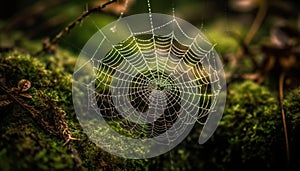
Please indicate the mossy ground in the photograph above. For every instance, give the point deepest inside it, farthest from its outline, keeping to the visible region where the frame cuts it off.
(24, 143)
(249, 136)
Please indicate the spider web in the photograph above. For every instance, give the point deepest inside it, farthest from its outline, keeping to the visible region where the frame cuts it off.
(147, 82)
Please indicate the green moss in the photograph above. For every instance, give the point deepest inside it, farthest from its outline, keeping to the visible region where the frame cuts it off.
(292, 110)
(24, 143)
(28, 147)
(249, 136)
(251, 129)
(292, 107)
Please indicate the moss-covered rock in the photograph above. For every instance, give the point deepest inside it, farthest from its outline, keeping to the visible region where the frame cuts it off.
(249, 136)
(24, 143)
(25, 146)
(250, 133)
(292, 108)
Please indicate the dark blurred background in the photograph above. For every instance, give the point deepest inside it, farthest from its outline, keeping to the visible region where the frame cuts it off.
(45, 18)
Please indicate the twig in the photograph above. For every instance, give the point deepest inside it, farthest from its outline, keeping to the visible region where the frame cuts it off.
(61, 125)
(49, 45)
(281, 82)
(75, 155)
(34, 113)
(63, 130)
(245, 50)
(263, 7)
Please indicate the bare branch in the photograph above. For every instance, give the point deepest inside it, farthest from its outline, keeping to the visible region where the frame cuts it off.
(49, 45)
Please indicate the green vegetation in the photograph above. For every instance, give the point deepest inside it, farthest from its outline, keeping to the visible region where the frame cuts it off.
(34, 132)
(250, 134)
(25, 143)
(251, 128)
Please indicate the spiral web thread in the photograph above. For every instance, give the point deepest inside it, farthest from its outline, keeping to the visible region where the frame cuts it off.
(140, 87)
(147, 82)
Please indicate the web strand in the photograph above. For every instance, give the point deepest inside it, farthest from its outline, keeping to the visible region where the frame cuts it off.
(155, 83)
(130, 69)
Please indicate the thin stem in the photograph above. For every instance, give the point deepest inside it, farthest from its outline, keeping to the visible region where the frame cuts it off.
(52, 42)
(263, 7)
(78, 20)
(281, 82)
(34, 113)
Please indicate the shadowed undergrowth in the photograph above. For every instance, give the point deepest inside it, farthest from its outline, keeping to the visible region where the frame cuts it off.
(249, 135)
